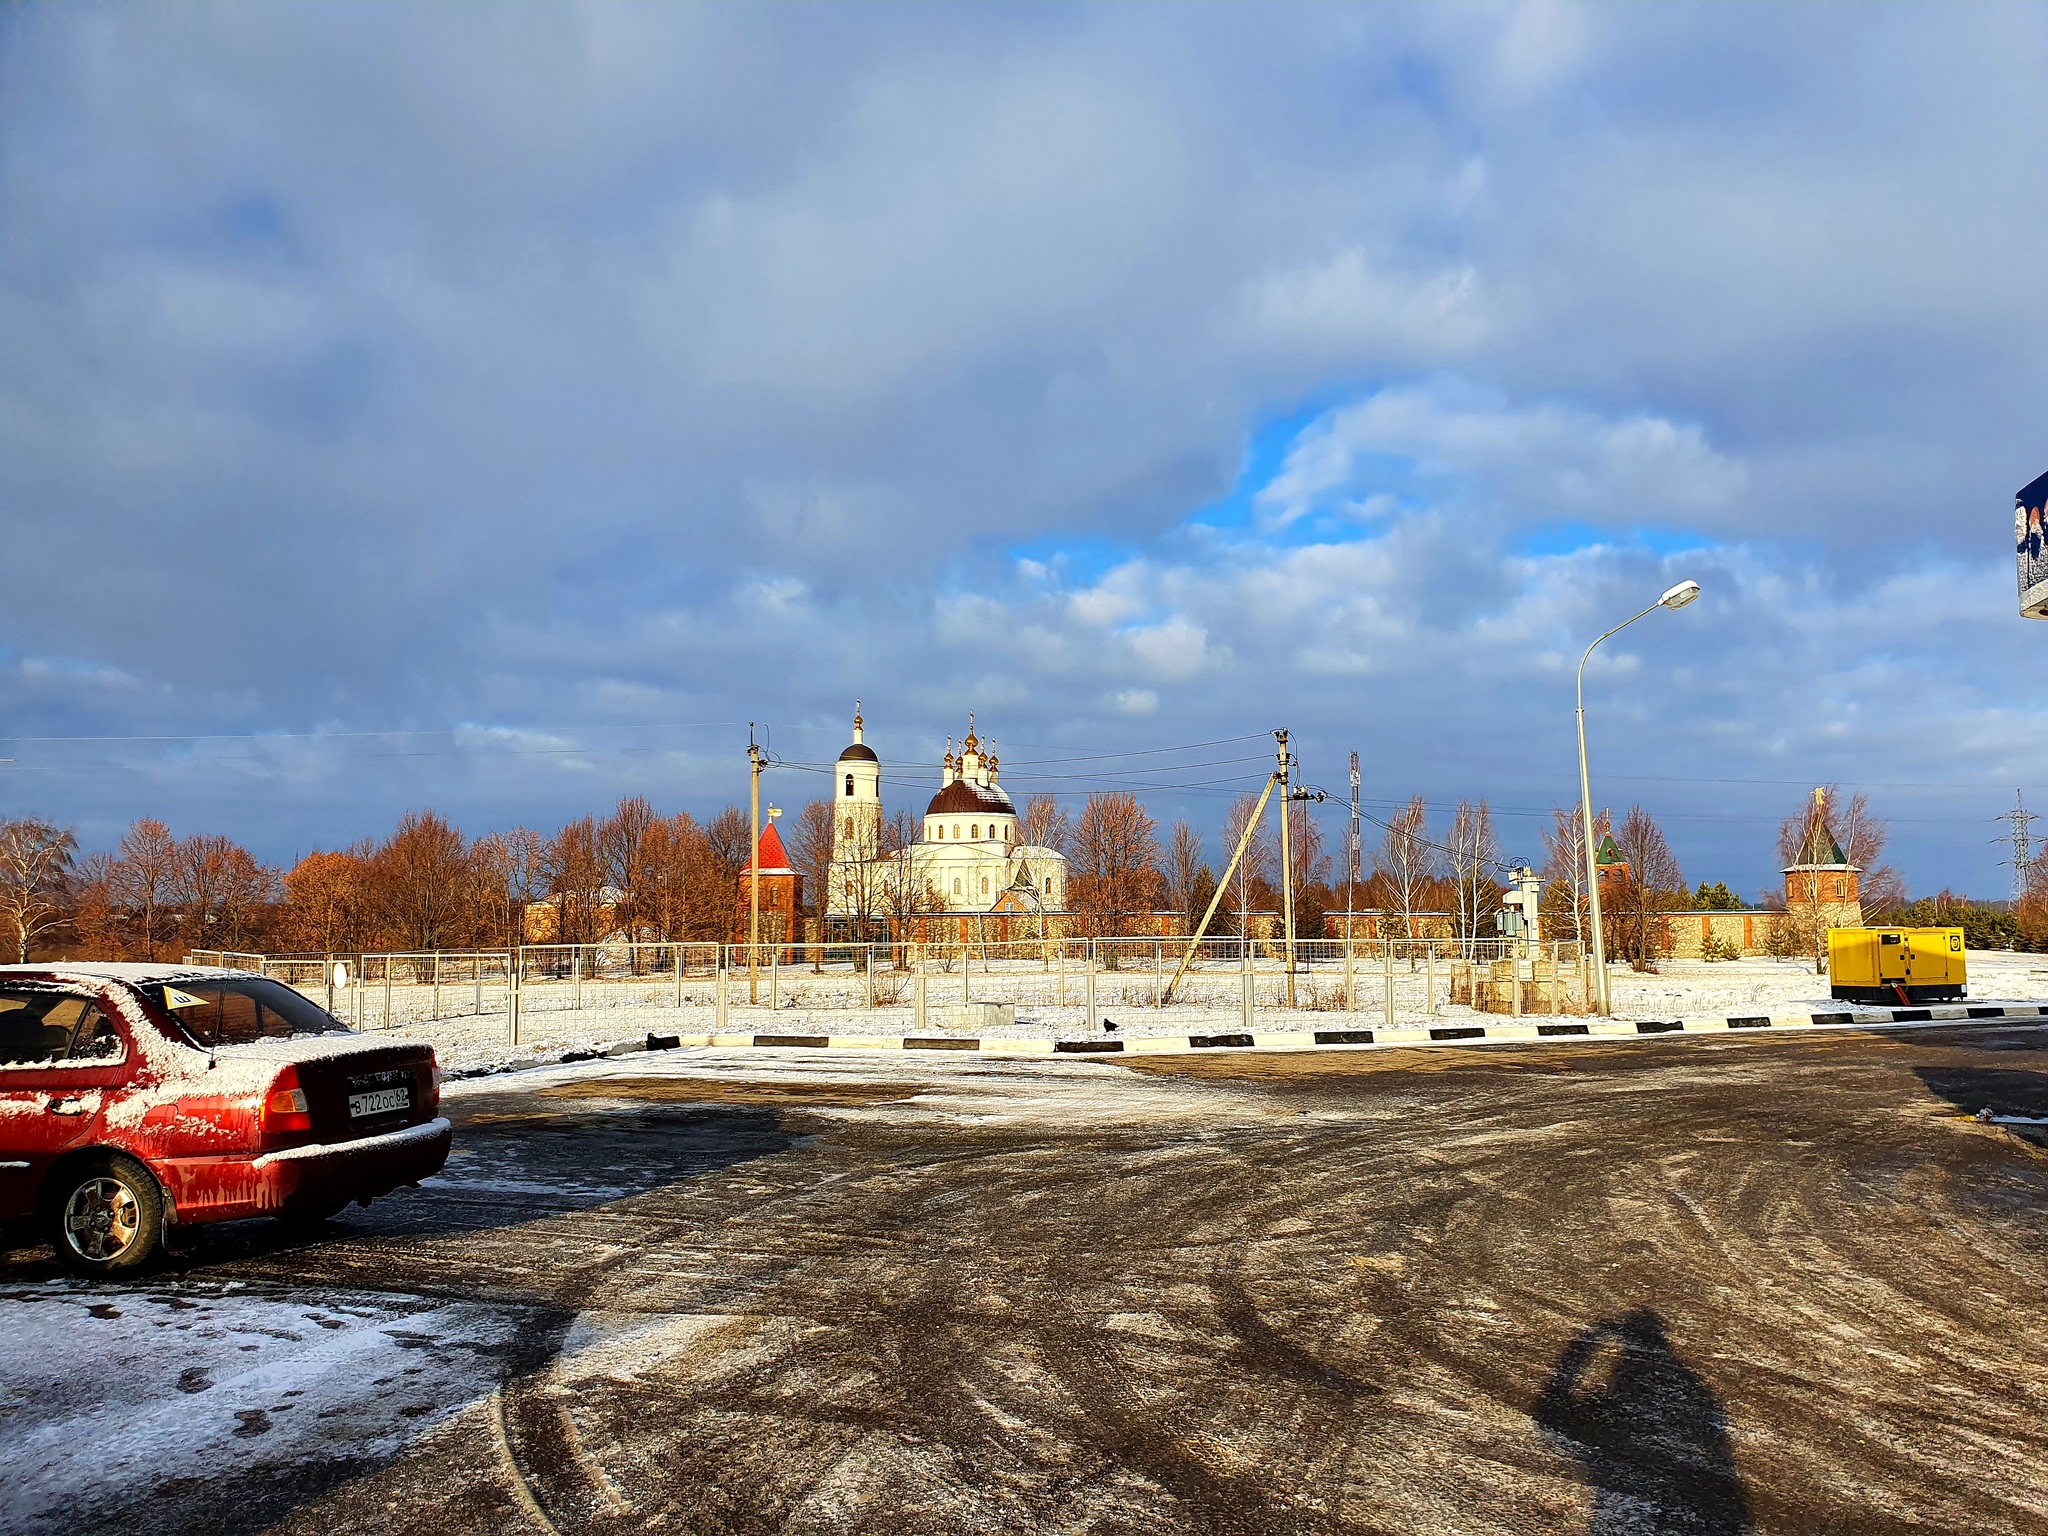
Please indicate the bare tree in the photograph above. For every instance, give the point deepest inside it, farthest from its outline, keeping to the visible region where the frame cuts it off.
(35, 859)
(728, 838)
(811, 841)
(144, 872)
(1184, 871)
(327, 902)
(98, 925)
(1310, 870)
(1474, 853)
(574, 871)
(675, 862)
(1655, 886)
(1255, 870)
(225, 893)
(1859, 836)
(621, 844)
(1405, 861)
(1564, 868)
(1046, 825)
(422, 876)
(907, 892)
(1114, 865)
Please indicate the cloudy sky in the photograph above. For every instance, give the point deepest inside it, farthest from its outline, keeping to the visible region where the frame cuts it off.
(496, 409)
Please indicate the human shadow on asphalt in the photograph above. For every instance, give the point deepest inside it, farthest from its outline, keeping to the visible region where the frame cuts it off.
(1647, 1429)
(1998, 1089)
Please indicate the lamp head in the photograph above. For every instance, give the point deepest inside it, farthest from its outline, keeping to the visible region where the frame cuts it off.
(1680, 595)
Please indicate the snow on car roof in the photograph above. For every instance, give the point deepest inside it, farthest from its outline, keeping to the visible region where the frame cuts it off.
(134, 972)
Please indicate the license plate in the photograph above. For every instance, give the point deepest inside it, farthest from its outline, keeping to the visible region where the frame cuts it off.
(379, 1095)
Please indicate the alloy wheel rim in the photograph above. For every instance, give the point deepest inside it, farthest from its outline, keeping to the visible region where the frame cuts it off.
(101, 1219)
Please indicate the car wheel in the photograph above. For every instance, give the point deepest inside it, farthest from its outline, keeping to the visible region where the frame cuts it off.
(107, 1215)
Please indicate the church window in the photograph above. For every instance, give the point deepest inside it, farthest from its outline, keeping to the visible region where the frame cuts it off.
(1838, 890)
(974, 832)
(849, 785)
(984, 885)
(956, 885)
(956, 831)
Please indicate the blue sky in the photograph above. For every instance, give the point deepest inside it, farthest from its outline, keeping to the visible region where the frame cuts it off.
(567, 386)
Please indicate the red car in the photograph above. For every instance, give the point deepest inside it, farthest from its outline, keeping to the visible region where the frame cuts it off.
(135, 1097)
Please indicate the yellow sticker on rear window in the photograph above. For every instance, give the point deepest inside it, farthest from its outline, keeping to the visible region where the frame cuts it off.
(173, 998)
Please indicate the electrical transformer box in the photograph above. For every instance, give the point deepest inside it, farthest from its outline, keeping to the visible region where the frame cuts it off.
(1895, 965)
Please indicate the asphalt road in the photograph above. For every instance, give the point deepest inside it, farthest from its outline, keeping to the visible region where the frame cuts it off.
(1671, 1285)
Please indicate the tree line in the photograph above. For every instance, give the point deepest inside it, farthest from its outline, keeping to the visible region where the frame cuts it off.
(428, 886)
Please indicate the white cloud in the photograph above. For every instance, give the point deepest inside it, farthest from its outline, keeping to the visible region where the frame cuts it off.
(1134, 701)
(1524, 463)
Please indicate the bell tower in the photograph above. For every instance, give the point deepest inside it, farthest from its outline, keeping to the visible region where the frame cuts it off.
(857, 799)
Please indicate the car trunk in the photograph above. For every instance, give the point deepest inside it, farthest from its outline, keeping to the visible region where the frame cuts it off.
(368, 1091)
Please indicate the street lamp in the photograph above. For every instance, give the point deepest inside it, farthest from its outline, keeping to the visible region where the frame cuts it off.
(1674, 599)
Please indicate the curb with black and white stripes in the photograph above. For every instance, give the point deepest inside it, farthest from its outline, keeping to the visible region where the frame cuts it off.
(1524, 1029)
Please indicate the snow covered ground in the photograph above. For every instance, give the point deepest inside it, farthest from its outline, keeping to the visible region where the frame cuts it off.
(618, 1012)
(102, 1389)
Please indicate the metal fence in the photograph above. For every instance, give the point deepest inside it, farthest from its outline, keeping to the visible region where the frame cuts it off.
(1032, 985)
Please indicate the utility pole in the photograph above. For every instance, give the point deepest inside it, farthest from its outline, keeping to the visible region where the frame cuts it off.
(2022, 844)
(754, 764)
(1353, 856)
(1285, 773)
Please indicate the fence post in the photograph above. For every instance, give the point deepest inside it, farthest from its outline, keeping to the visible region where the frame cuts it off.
(1429, 979)
(1553, 978)
(774, 978)
(871, 978)
(1387, 959)
(479, 968)
(917, 996)
(1155, 973)
(1063, 973)
(679, 975)
(575, 975)
(437, 986)
(1088, 958)
(387, 991)
(1350, 997)
(1244, 962)
(1516, 962)
(512, 997)
(718, 992)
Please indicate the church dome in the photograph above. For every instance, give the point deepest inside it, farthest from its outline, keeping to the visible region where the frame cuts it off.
(963, 797)
(857, 750)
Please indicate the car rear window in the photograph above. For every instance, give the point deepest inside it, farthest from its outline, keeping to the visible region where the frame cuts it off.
(244, 1009)
(47, 1028)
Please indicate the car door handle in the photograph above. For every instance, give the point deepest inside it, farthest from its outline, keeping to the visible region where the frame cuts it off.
(58, 1106)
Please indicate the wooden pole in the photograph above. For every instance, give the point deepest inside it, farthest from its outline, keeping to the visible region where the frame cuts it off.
(1251, 825)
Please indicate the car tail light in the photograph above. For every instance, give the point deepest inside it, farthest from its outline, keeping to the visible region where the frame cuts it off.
(285, 1107)
(433, 1081)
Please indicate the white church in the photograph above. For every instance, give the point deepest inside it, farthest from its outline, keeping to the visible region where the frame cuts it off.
(970, 860)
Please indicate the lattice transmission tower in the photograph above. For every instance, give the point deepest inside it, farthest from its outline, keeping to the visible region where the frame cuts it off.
(2022, 860)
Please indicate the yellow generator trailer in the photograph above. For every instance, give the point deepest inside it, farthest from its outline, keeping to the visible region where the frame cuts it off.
(1895, 965)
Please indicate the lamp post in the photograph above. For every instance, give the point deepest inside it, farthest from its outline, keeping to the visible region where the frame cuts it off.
(1674, 599)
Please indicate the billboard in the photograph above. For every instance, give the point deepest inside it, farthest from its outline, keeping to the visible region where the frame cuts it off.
(2032, 540)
